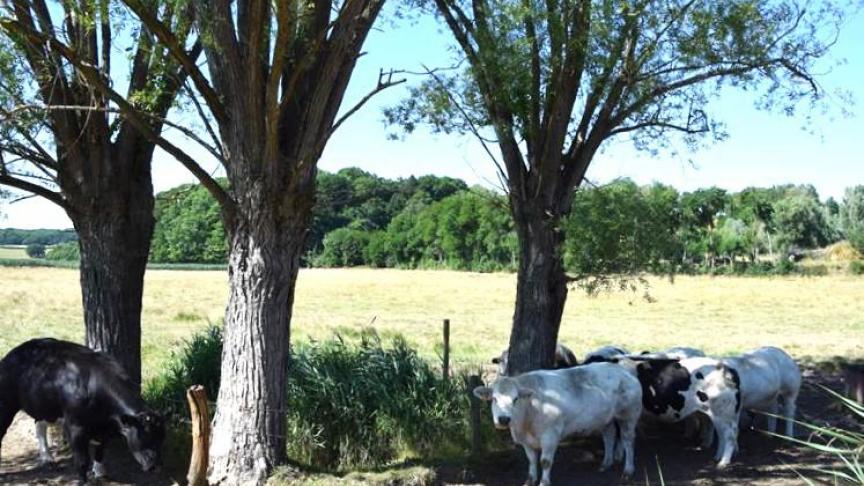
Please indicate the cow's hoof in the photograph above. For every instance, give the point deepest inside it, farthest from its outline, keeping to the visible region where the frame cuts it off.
(628, 473)
(722, 465)
(99, 471)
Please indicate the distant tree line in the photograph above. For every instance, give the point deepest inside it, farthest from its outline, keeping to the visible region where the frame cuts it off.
(439, 222)
(46, 237)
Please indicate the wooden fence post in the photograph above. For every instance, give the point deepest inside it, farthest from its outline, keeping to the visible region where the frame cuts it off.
(854, 377)
(446, 365)
(197, 397)
(476, 437)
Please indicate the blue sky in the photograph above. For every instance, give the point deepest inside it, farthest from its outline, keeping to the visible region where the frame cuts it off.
(763, 148)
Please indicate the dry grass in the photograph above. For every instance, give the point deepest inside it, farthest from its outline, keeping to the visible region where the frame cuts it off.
(13, 252)
(815, 318)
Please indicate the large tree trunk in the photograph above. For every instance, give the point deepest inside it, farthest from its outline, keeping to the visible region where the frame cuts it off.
(249, 427)
(541, 289)
(114, 228)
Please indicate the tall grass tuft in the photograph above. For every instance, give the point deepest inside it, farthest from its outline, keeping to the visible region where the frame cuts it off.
(366, 404)
(846, 445)
(196, 363)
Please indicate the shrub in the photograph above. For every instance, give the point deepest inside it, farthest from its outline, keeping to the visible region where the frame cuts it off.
(856, 267)
(365, 404)
(197, 363)
(35, 250)
(814, 270)
(64, 251)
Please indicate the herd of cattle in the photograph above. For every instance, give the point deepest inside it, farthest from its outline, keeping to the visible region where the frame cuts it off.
(612, 392)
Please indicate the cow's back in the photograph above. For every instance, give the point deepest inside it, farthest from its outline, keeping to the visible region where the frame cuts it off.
(51, 378)
(582, 398)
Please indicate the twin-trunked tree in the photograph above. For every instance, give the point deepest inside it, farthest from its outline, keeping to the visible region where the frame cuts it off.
(276, 76)
(550, 81)
(60, 139)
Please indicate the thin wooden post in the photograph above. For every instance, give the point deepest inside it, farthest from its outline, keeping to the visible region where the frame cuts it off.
(476, 437)
(197, 397)
(854, 377)
(446, 365)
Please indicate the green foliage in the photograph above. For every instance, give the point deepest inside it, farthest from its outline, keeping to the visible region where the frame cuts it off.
(68, 251)
(621, 228)
(362, 405)
(188, 227)
(852, 216)
(46, 237)
(35, 250)
(196, 363)
(801, 220)
(856, 267)
(343, 247)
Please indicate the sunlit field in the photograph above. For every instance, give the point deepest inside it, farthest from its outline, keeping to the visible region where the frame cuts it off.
(13, 252)
(815, 318)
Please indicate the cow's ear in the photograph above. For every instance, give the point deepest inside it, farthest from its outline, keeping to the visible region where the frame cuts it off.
(483, 393)
(496, 360)
(525, 393)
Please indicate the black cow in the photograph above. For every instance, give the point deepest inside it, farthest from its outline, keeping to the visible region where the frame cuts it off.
(51, 379)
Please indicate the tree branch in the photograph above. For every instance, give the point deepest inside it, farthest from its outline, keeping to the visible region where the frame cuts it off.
(382, 85)
(166, 37)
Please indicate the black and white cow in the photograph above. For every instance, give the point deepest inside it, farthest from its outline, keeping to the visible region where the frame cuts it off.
(50, 380)
(564, 358)
(673, 390)
(542, 407)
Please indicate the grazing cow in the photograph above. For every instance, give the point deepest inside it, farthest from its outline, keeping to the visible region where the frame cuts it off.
(605, 354)
(564, 358)
(770, 380)
(673, 390)
(50, 379)
(542, 407)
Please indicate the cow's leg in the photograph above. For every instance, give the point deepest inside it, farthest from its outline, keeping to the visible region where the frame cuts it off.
(45, 457)
(532, 465)
(706, 430)
(627, 437)
(98, 468)
(788, 412)
(771, 419)
(549, 444)
(608, 446)
(727, 432)
(79, 442)
(7, 414)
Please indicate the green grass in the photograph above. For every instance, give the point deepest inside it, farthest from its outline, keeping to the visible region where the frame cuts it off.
(13, 252)
(813, 318)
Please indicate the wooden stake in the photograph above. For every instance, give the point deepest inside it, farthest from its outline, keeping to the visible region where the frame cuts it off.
(446, 366)
(197, 397)
(476, 437)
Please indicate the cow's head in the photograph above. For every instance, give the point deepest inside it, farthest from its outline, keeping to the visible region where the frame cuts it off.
(507, 399)
(144, 433)
(501, 361)
(664, 382)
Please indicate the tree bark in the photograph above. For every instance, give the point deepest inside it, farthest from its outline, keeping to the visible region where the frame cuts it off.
(541, 288)
(115, 225)
(249, 435)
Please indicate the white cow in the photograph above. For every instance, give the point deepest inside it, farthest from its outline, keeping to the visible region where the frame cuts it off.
(542, 407)
(604, 354)
(770, 382)
(564, 358)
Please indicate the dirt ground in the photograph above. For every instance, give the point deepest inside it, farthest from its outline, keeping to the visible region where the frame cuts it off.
(761, 461)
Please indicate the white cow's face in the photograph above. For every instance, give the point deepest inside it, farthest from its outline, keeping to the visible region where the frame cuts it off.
(507, 400)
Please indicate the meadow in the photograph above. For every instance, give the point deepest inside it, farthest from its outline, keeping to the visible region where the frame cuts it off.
(815, 318)
(13, 252)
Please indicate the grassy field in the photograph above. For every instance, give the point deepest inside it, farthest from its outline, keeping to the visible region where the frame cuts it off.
(13, 252)
(814, 318)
